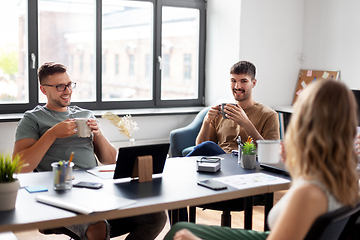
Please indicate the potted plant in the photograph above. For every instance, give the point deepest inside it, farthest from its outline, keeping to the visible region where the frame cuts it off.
(9, 184)
(248, 155)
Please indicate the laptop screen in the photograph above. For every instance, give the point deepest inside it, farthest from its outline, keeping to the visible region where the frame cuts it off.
(127, 156)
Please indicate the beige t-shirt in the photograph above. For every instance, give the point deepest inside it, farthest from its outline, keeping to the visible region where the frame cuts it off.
(225, 131)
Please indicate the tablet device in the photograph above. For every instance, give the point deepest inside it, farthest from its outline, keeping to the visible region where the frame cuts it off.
(127, 156)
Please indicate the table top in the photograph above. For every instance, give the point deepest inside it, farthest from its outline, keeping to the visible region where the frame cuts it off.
(175, 188)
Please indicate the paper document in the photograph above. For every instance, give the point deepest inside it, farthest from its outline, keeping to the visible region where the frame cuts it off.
(251, 180)
(84, 201)
(104, 171)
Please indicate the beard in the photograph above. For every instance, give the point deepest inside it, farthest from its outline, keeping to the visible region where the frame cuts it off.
(244, 96)
(60, 102)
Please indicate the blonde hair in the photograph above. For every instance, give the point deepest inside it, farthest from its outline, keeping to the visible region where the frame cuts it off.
(319, 141)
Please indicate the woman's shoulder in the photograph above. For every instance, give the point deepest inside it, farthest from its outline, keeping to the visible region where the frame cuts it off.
(308, 192)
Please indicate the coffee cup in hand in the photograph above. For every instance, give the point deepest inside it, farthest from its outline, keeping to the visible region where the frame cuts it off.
(83, 130)
(222, 109)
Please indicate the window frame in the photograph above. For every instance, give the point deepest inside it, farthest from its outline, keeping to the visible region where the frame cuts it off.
(98, 104)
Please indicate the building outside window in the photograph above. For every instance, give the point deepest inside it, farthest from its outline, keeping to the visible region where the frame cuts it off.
(116, 62)
(187, 67)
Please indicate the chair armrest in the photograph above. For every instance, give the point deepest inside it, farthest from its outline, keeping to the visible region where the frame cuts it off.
(185, 137)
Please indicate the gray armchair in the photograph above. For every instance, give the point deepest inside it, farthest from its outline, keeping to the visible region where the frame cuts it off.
(182, 140)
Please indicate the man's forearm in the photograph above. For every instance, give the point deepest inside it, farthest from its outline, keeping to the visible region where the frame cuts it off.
(33, 151)
(104, 150)
(253, 132)
(204, 133)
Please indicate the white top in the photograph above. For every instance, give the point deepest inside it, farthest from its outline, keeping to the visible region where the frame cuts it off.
(274, 213)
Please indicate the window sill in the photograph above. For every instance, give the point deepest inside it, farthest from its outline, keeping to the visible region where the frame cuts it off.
(13, 117)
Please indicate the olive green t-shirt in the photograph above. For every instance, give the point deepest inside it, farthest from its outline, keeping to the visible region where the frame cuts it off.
(37, 121)
(265, 120)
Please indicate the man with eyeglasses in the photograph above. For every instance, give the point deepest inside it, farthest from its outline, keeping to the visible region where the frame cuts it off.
(47, 134)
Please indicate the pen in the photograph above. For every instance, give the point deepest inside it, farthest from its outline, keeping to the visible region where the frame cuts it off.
(71, 157)
(107, 170)
(68, 165)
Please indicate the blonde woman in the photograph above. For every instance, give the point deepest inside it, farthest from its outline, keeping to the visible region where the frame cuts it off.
(321, 158)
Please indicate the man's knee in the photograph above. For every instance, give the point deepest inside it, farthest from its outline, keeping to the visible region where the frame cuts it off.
(98, 231)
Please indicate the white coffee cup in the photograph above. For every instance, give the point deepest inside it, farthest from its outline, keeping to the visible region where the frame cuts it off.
(83, 130)
(268, 151)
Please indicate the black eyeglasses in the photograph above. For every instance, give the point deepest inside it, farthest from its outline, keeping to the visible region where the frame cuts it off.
(62, 87)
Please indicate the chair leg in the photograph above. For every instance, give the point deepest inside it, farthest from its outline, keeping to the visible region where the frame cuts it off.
(226, 219)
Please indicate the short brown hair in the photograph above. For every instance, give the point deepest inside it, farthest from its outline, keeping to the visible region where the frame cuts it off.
(49, 68)
(244, 67)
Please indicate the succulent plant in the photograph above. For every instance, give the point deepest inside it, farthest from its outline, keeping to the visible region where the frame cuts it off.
(249, 148)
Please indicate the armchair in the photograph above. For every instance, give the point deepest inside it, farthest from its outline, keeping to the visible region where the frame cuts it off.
(338, 224)
(182, 140)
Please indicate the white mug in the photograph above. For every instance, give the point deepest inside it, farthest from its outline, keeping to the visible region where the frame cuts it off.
(83, 130)
(268, 151)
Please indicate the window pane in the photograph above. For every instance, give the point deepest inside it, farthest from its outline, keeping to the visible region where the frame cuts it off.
(67, 35)
(180, 48)
(13, 52)
(127, 36)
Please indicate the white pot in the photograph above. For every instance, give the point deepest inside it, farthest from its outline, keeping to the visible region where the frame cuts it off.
(8, 194)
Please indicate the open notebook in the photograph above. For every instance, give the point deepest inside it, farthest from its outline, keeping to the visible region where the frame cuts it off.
(84, 201)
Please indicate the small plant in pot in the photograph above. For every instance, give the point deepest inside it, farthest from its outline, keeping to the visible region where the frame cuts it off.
(9, 184)
(248, 155)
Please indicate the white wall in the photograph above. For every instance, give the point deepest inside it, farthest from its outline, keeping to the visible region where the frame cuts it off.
(150, 128)
(222, 48)
(332, 38)
(267, 33)
(271, 37)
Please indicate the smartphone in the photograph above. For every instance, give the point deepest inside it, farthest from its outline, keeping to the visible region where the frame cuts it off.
(93, 185)
(212, 184)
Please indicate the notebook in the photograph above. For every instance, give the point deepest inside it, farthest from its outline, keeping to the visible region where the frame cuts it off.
(127, 156)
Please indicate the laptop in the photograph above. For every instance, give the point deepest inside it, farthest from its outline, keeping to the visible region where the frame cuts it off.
(279, 167)
(127, 156)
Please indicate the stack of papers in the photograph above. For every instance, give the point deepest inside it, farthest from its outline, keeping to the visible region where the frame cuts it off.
(251, 180)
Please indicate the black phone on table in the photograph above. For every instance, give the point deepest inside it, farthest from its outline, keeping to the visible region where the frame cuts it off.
(212, 184)
(92, 185)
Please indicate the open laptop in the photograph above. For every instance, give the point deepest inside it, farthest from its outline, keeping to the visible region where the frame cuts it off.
(127, 156)
(279, 167)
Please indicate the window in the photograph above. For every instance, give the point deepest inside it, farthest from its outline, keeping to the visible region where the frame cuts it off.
(66, 28)
(147, 65)
(116, 64)
(14, 87)
(121, 54)
(180, 38)
(131, 65)
(166, 67)
(187, 67)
